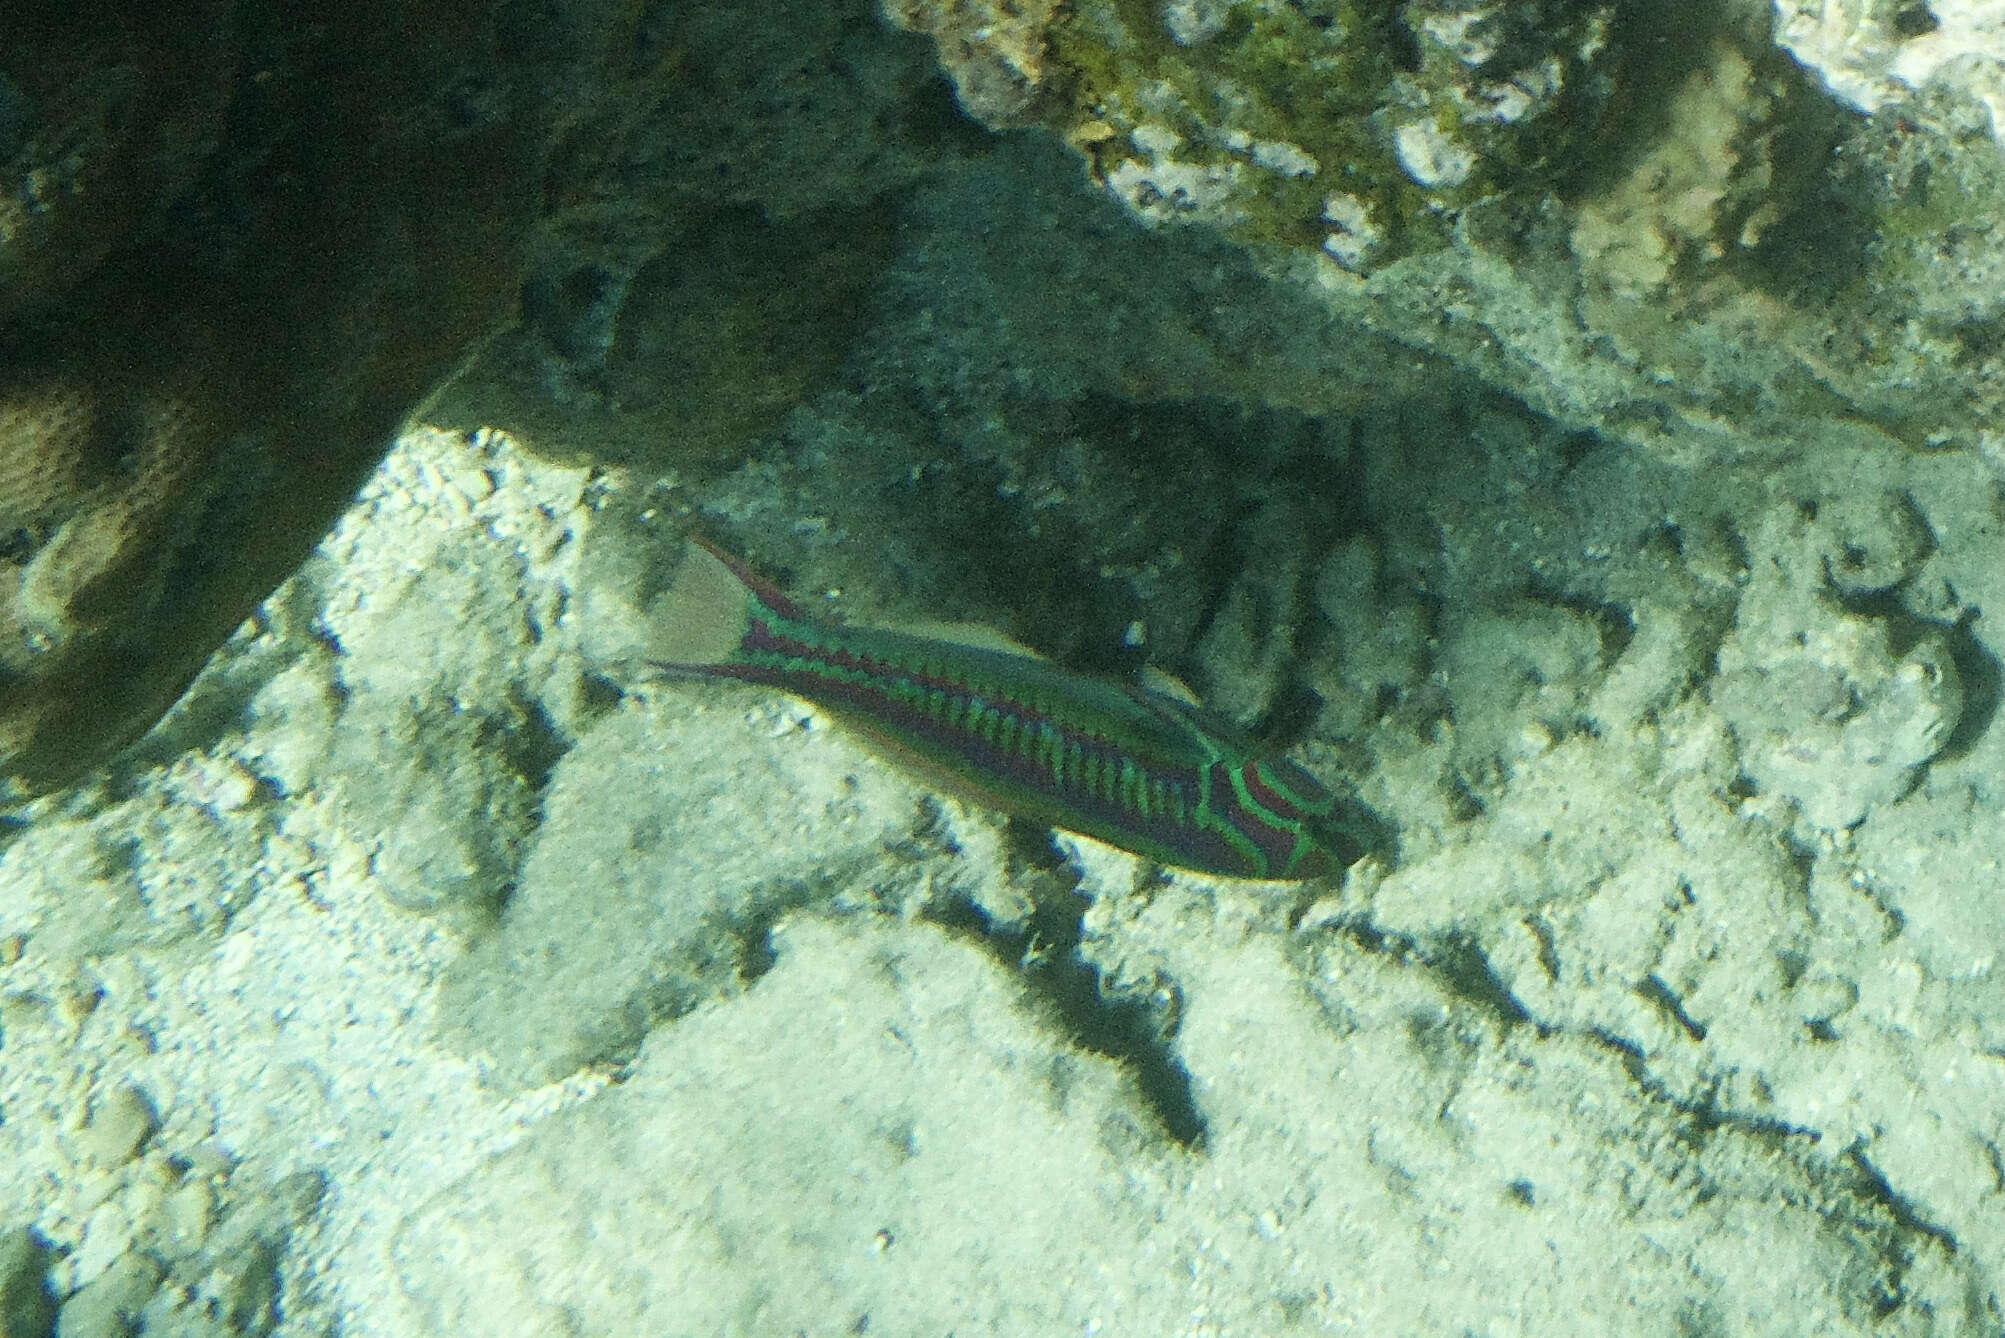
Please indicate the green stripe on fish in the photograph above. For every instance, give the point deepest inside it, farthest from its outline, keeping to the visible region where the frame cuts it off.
(1115, 761)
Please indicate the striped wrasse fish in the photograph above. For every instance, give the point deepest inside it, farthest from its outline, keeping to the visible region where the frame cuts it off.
(1115, 761)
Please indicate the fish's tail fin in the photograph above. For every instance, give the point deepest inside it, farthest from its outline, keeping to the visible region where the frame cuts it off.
(700, 621)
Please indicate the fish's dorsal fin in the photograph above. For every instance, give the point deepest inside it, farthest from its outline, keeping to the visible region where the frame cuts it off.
(769, 594)
(981, 636)
(976, 636)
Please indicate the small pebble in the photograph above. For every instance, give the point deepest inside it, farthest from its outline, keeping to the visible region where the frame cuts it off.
(121, 1121)
(25, 1304)
(206, 1159)
(78, 1002)
(299, 1194)
(107, 1238)
(109, 1307)
(186, 1216)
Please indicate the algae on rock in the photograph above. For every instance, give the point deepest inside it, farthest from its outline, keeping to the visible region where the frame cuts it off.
(1677, 237)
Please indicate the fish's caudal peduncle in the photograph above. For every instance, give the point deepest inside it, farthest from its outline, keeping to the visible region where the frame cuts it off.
(1111, 760)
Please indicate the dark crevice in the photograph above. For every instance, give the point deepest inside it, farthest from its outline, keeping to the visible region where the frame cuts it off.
(1456, 960)
(598, 695)
(1542, 934)
(1614, 623)
(1700, 1118)
(745, 938)
(1460, 963)
(1870, 1184)
(218, 706)
(533, 745)
(1803, 859)
(1660, 996)
(1983, 681)
(755, 946)
(1464, 803)
(1854, 1197)
(1132, 1026)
